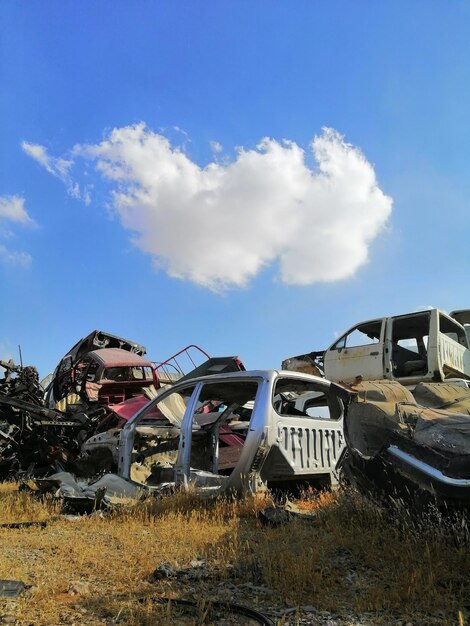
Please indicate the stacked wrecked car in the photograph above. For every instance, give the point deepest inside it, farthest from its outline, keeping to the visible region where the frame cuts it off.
(387, 406)
(127, 423)
(407, 422)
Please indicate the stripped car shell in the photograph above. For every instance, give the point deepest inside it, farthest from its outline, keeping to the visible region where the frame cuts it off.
(423, 346)
(289, 429)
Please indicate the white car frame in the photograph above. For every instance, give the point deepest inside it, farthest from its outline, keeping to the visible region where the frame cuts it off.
(292, 431)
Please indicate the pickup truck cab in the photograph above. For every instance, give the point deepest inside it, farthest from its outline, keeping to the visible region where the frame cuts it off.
(416, 347)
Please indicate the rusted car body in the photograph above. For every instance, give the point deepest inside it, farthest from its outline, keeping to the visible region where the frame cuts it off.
(413, 446)
(110, 370)
(424, 346)
(68, 382)
(112, 375)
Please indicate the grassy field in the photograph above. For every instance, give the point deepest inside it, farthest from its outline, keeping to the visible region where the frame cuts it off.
(355, 561)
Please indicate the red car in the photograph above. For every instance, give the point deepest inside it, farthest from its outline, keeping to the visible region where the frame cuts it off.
(100, 369)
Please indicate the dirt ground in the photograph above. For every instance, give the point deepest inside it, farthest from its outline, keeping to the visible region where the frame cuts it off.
(352, 564)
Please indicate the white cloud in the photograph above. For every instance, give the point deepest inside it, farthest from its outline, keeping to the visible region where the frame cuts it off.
(12, 209)
(58, 167)
(11, 257)
(220, 225)
(216, 147)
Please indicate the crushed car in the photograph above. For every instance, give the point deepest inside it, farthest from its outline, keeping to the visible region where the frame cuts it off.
(107, 370)
(61, 382)
(230, 433)
(100, 369)
(410, 446)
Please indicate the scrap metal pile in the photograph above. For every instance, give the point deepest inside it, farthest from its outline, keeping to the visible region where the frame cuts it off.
(112, 425)
(34, 437)
(388, 404)
(97, 386)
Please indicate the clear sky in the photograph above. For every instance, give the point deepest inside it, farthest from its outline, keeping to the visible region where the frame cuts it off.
(253, 177)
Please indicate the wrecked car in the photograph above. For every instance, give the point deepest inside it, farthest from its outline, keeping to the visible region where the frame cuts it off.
(109, 376)
(234, 432)
(107, 370)
(97, 386)
(76, 368)
(416, 347)
(412, 446)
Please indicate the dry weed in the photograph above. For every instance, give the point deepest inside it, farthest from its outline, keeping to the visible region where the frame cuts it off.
(354, 557)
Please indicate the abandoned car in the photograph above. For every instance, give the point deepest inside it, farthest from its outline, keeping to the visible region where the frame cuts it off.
(107, 370)
(416, 347)
(100, 367)
(232, 432)
(410, 446)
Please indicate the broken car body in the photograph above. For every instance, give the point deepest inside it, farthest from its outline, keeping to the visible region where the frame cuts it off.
(413, 446)
(89, 364)
(407, 425)
(417, 347)
(106, 370)
(235, 432)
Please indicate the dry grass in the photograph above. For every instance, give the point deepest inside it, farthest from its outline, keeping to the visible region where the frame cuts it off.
(354, 558)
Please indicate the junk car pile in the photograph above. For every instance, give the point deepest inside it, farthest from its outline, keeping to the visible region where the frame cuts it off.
(97, 386)
(407, 422)
(32, 436)
(388, 404)
(112, 420)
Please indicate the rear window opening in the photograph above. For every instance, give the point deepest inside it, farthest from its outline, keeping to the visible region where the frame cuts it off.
(296, 398)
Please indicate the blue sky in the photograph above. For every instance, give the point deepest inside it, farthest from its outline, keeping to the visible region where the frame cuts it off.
(136, 197)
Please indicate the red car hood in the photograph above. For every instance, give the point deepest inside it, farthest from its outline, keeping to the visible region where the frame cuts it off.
(126, 410)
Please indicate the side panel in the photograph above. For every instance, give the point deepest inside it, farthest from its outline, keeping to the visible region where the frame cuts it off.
(308, 446)
(452, 356)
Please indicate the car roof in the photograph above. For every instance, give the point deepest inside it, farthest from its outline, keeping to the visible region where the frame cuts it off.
(266, 375)
(113, 357)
